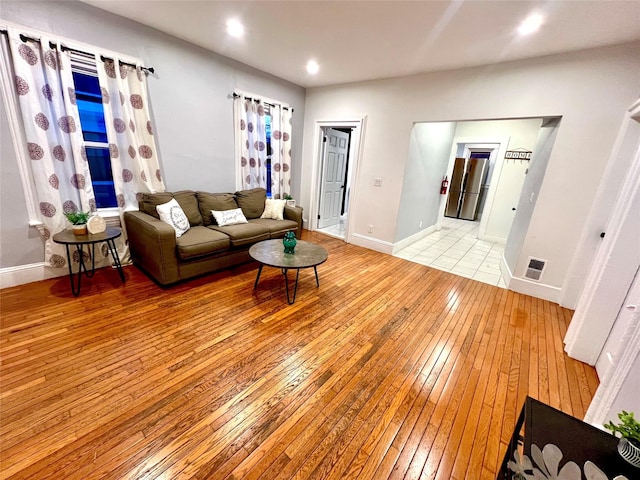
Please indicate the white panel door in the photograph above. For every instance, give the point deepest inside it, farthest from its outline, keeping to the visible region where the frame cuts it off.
(333, 177)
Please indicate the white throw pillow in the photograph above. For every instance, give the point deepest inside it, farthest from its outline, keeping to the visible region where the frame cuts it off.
(274, 209)
(172, 213)
(229, 217)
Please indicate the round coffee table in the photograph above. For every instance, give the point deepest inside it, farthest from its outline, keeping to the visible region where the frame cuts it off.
(271, 253)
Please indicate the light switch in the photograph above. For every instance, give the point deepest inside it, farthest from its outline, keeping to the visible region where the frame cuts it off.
(377, 182)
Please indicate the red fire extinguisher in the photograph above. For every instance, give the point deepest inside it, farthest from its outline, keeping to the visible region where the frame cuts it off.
(443, 186)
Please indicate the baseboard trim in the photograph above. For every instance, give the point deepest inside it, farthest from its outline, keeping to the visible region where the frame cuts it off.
(372, 243)
(534, 289)
(415, 237)
(33, 272)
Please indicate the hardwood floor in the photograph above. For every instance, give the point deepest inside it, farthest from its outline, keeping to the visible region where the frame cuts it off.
(389, 370)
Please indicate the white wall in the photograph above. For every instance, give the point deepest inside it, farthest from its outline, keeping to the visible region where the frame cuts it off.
(522, 133)
(429, 152)
(534, 180)
(14, 223)
(628, 397)
(590, 89)
(627, 144)
(192, 111)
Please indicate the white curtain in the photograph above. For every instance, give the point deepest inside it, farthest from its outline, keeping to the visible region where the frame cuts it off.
(251, 142)
(280, 151)
(59, 168)
(132, 147)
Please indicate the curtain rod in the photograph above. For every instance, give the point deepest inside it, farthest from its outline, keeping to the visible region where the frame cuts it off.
(235, 95)
(64, 48)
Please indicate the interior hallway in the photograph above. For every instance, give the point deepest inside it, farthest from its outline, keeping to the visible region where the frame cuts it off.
(456, 249)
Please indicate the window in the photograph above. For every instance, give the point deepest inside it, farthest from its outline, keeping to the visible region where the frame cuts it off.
(89, 100)
(267, 121)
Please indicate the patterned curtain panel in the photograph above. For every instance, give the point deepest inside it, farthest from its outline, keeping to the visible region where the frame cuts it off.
(251, 142)
(59, 168)
(280, 151)
(133, 151)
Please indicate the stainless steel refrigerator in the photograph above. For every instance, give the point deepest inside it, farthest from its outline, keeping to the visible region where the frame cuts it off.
(465, 188)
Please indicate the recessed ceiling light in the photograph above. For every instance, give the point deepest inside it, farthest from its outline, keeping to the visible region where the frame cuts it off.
(530, 25)
(235, 28)
(312, 67)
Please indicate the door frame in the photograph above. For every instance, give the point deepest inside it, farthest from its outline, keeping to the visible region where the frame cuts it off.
(358, 126)
(480, 143)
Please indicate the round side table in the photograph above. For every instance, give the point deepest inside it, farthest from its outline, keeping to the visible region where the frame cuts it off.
(69, 239)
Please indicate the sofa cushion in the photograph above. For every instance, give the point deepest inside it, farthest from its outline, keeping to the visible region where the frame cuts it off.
(277, 228)
(172, 214)
(251, 202)
(244, 234)
(273, 209)
(189, 203)
(229, 217)
(150, 201)
(200, 241)
(214, 201)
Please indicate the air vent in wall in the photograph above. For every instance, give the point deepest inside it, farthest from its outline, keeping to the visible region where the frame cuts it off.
(535, 269)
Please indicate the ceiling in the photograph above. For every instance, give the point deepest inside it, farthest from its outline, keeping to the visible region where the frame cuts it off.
(365, 40)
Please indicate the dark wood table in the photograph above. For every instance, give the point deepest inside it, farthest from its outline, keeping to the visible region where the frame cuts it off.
(541, 427)
(69, 240)
(271, 253)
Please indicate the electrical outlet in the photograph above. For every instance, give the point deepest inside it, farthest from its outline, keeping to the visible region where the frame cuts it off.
(370, 229)
(377, 182)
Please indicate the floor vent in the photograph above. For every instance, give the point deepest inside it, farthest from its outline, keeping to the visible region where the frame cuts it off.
(535, 269)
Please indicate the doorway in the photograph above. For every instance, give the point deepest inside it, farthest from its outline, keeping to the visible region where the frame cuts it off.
(468, 186)
(426, 234)
(337, 146)
(334, 183)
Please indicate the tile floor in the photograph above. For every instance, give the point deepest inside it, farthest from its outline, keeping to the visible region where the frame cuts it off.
(334, 231)
(456, 249)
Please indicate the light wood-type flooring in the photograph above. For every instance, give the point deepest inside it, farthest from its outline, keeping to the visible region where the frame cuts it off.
(389, 370)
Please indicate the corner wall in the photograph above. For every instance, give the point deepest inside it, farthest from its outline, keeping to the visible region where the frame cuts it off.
(429, 152)
(589, 89)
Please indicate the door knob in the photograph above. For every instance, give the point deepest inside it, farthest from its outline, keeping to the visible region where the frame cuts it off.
(513, 209)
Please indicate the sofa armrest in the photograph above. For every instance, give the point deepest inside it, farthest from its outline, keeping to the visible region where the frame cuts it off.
(295, 214)
(153, 246)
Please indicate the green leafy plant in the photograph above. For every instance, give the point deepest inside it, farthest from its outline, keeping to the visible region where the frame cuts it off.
(628, 427)
(287, 196)
(78, 218)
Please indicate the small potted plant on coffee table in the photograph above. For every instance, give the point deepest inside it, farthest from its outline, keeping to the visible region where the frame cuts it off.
(629, 430)
(78, 221)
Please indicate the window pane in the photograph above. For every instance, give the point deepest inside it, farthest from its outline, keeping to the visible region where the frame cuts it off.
(89, 101)
(101, 177)
(267, 120)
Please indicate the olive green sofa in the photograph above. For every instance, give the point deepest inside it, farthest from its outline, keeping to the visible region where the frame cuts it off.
(206, 246)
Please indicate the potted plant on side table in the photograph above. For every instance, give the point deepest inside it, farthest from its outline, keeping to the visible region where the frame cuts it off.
(290, 201)
(629, 430)
(78, 221)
